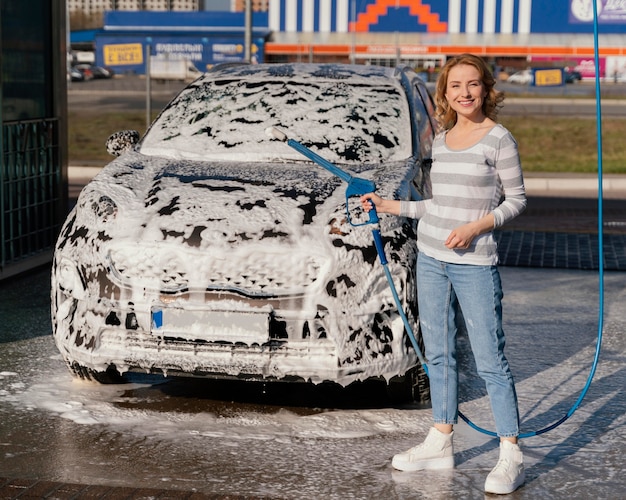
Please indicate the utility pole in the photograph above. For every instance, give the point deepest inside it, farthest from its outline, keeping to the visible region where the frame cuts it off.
(148, 85)
(248, 33)
(353, 34)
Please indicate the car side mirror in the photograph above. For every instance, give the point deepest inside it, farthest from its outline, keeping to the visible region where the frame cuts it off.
(120, 142)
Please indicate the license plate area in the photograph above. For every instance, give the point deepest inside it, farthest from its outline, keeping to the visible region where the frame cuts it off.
(246, 327)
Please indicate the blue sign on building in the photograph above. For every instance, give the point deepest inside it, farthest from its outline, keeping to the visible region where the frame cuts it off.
(202, 38)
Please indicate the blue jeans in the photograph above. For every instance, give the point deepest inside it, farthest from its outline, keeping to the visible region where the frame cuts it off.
(478, 292)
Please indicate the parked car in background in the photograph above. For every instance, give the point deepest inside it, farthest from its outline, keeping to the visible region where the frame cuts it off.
(524, 77)
(85, 70)
(209, 249)
(573, 76)
(74, 75)
(102, 72)
(91, 71)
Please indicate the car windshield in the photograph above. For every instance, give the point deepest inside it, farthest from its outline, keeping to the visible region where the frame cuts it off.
(346, 121)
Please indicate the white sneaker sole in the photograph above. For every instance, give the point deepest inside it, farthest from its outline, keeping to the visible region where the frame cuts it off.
(430, 464)
(505, 489)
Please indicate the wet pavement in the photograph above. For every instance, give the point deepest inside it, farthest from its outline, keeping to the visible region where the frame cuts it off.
(35, 489)
(172, 439)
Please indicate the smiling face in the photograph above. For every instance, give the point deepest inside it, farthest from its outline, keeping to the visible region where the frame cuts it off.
(465, 91)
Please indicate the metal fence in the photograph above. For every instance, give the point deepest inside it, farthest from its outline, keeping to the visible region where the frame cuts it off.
(32, 194)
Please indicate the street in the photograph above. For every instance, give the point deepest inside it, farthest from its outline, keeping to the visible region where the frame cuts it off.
(276, 441)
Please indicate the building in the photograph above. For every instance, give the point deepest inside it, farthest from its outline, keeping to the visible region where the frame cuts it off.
(512, 34)
(99, 6)
(33, 168)
(422, 33)
(92, 6)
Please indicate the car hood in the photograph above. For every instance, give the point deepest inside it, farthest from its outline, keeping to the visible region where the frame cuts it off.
(281, 220)
(200, 204)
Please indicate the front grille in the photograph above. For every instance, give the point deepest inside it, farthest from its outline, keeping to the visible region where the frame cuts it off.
(170, 270)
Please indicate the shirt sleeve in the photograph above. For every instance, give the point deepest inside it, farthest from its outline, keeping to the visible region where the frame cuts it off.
(414, 209)
(509, 167)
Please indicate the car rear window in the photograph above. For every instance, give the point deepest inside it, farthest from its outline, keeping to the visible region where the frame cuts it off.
(345, 121)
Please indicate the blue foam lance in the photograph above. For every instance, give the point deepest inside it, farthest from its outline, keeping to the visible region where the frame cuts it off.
(357, 186)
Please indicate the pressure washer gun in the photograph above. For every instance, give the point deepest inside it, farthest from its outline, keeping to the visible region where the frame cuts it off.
(356, 185)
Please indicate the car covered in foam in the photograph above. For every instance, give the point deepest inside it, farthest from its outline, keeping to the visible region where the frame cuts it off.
(207, 248)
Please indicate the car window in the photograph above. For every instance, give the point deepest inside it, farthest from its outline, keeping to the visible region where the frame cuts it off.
(427, 132)
(342, 120)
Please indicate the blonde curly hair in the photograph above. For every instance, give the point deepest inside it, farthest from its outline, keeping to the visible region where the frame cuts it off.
(444, 114)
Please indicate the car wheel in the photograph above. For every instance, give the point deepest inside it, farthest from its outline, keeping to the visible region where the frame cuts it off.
(412, 387)
(109, 376)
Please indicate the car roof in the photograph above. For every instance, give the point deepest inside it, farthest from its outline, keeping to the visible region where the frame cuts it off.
(365, 121)
(305, 71)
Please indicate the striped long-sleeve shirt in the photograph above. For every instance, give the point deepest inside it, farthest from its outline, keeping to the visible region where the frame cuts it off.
(467, 185)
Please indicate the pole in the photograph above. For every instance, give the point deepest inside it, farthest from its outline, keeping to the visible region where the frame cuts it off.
(353, 34)
(248, 32)
(148, 87)
(398, 55)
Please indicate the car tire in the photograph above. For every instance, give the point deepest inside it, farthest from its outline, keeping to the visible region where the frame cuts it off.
(109, 376)
(412, 387)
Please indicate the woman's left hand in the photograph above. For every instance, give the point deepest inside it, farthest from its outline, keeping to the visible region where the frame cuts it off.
(461, 237)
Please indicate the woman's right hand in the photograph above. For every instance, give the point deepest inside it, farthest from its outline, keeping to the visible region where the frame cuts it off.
(369, 200)
(383, 206)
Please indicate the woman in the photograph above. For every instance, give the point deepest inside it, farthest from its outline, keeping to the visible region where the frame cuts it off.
(477, 186)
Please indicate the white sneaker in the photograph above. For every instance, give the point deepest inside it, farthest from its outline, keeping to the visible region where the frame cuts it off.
(508, 474)
(436, 452)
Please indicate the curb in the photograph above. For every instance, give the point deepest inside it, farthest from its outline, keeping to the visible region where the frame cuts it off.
(82, 172)
(589, 184)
